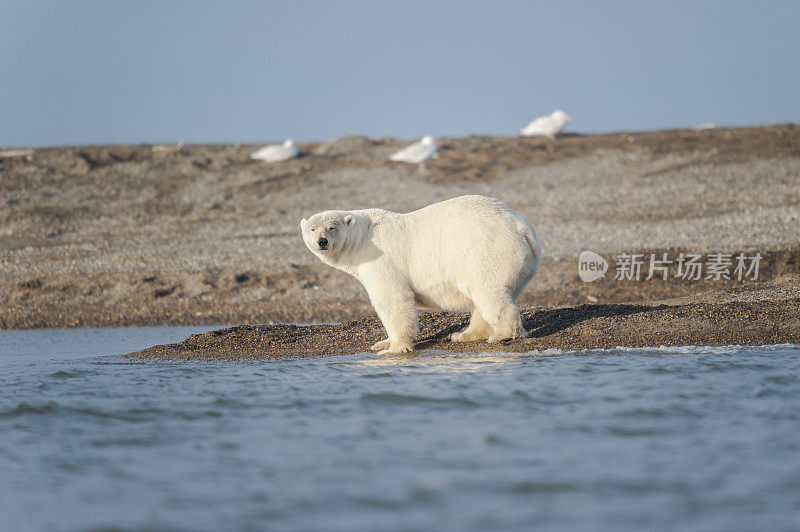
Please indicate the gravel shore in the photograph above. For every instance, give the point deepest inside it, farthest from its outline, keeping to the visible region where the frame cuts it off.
(756, 314)
(200, 234)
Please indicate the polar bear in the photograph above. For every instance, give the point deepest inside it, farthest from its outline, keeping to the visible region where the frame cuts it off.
(466, 254)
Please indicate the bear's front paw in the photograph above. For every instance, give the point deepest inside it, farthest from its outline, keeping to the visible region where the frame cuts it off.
(381, 346)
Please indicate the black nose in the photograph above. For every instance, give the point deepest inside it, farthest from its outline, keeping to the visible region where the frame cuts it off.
(322, 241)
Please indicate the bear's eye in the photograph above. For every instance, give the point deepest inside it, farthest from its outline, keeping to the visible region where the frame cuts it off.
(313, 229)
(332, 228)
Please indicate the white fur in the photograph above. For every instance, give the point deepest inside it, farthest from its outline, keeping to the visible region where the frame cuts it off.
(470, 253)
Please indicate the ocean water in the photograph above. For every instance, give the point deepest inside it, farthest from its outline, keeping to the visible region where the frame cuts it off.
(627, 439)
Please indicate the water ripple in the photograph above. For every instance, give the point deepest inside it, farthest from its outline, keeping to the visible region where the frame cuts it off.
(400, 399)
(24, 409)
(75, 373)
(623, 439)
(543, 487)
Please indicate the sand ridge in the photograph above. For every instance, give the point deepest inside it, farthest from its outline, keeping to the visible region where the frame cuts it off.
(129, 235)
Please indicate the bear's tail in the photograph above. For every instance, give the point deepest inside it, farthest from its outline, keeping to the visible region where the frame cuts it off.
(533, 242)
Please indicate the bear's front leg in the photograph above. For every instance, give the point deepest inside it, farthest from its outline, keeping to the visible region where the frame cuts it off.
(395, 307)
(399, 318)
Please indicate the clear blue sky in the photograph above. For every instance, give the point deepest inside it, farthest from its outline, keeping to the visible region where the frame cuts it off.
(78, 72)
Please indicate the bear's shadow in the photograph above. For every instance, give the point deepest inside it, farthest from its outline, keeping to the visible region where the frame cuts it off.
(545, 322)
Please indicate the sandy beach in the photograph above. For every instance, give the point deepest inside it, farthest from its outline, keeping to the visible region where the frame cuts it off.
(200, 234)
(756, 314)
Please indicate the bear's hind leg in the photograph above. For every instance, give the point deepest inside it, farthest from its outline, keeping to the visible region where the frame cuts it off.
(477, 329)
(509, 326)
(502, 315)
(380, 346)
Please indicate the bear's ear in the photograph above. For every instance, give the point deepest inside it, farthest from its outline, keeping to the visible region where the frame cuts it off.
(303, 224)
(349, 219)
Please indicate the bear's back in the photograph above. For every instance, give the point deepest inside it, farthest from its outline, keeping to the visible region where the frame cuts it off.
(464, 239)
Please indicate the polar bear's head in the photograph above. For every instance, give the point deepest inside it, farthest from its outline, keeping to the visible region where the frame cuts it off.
(326, 232)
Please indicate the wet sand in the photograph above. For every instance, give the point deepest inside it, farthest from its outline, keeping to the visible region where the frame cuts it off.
(200, 234)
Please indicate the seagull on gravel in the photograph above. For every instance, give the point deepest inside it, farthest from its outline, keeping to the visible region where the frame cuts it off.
(546, 126)
(419, 152)
(274, 153)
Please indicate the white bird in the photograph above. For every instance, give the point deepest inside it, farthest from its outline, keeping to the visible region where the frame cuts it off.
(274, 153)
(546, 126)
(419, 152)
(704, 126)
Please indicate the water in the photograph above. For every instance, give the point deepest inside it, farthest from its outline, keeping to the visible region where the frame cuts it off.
(665, 439)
